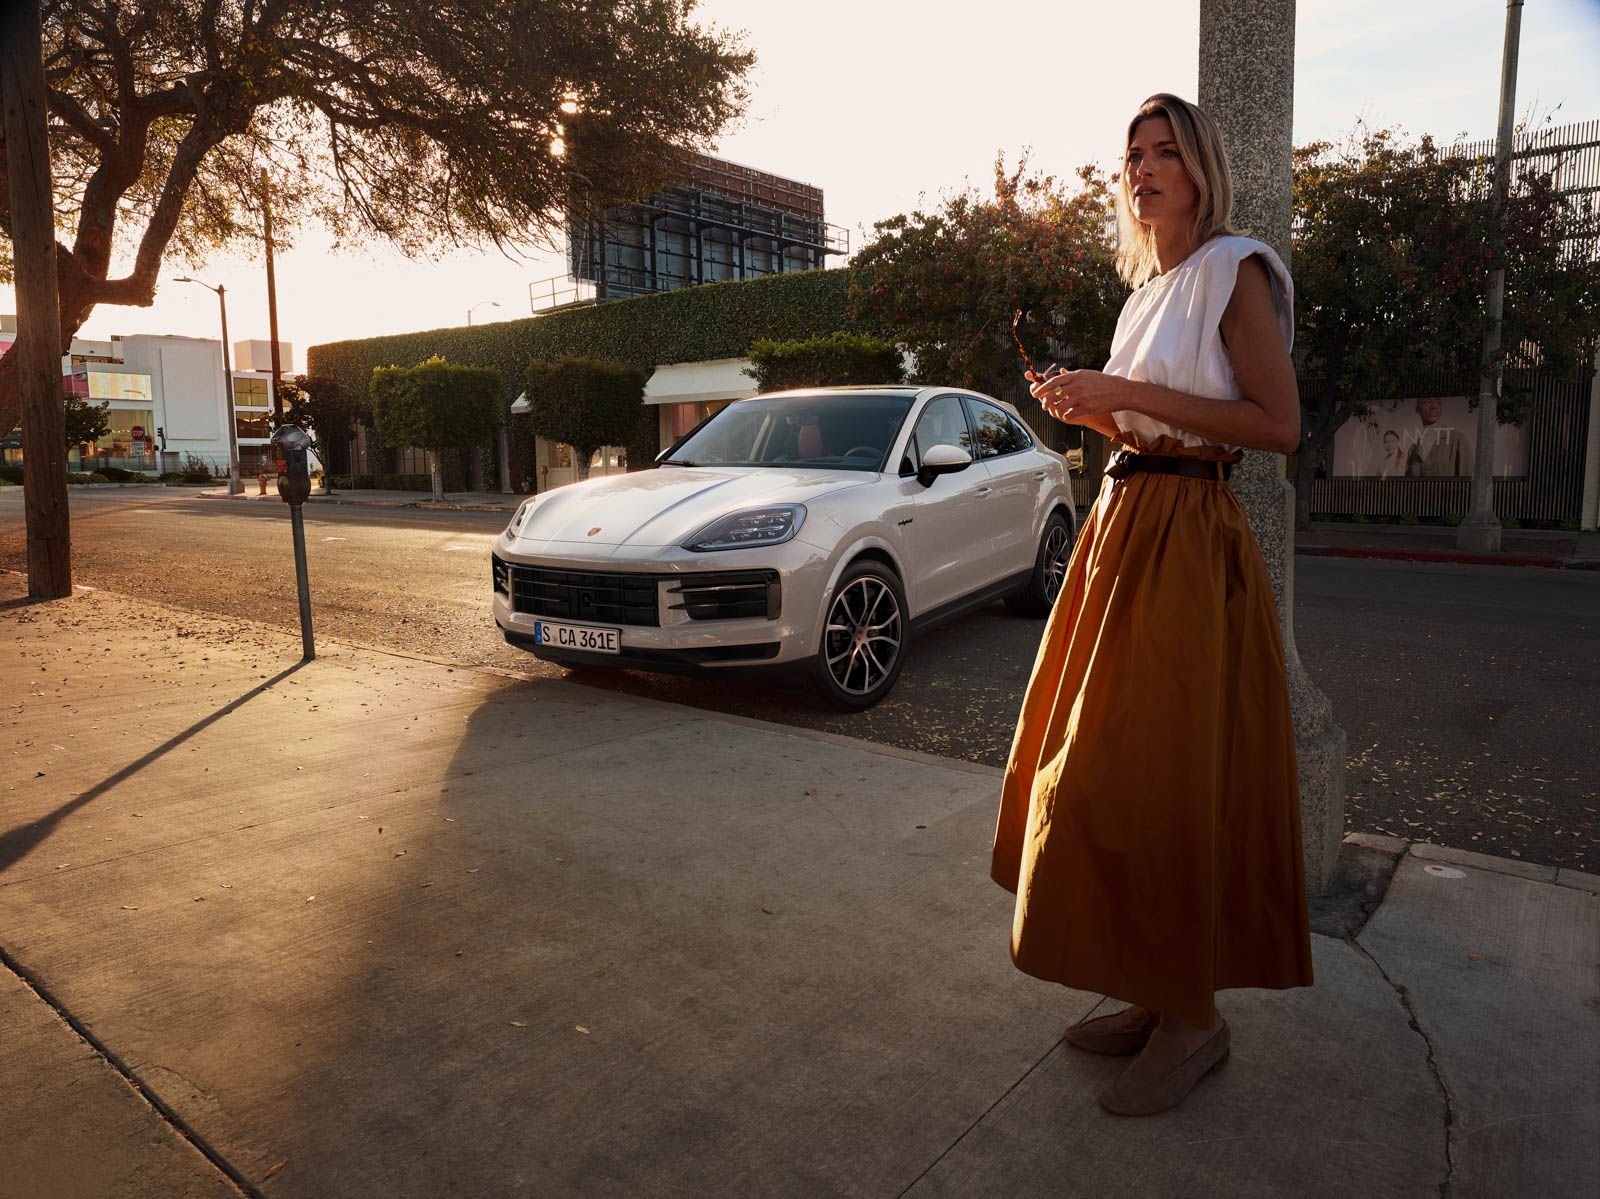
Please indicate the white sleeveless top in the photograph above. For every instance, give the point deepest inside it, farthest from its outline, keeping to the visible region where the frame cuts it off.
(1169, 330)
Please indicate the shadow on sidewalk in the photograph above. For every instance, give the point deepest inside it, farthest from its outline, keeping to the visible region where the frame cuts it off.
(18, 843)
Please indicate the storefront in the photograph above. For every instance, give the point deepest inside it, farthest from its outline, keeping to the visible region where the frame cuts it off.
(685, 393)
(132, 441)
(252, 422)
(555, 462)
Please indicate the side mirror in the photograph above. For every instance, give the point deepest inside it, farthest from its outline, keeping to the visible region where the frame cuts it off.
(942, 460)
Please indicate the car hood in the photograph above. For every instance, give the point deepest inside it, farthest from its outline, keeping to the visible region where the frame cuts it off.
(667, 505)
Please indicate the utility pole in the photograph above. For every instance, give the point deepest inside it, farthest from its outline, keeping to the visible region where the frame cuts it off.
(1480, 532)
(272, 304)
(38, 348)
(1247, 85)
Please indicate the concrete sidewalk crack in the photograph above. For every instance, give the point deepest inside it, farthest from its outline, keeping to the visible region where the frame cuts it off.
(1415, 1023)
(984, 1115)
(135, 1083)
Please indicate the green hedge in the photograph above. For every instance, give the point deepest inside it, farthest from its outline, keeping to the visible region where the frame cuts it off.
(717, 320)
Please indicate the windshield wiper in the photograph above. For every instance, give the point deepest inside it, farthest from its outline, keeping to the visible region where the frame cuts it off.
(678, 462)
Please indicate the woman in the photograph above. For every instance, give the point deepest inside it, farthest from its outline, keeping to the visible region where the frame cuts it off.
(1394, 458)
(1149, 817)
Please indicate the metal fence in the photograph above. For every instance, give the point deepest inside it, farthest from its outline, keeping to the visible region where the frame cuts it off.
(1552, 490)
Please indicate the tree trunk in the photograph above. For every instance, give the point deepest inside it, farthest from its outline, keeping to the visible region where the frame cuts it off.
(438, 476)
(35, 361)
(1305, 470)
(580, 463)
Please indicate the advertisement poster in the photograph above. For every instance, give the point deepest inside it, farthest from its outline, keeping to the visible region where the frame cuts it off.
(119, 385)
(1434, 437)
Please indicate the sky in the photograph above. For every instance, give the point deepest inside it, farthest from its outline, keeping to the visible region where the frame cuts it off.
(888, 104)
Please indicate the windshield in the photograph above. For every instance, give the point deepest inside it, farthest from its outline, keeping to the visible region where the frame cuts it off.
(852, 431)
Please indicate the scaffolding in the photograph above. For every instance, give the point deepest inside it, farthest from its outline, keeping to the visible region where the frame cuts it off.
(724, 221)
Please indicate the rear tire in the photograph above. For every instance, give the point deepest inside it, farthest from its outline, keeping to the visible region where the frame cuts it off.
(1049, 570)
(863, 642)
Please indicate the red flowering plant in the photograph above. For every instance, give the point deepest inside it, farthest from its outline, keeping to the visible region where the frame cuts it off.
(1394, 242)
(949, 282)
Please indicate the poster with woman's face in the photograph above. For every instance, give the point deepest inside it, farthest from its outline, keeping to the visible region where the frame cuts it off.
(1433, 437)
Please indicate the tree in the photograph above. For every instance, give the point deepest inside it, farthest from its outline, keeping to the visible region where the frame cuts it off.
(837, 360)
(86, 422)
(321, 406)
(1393, 246)
(948, 282)
(421, 124)
(585, 403)
(436, 405)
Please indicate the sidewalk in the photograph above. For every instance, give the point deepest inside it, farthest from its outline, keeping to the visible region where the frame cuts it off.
(379, 926)
(1437, 543)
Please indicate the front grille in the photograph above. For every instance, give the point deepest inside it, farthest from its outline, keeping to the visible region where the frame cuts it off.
(731, 595)
(607, 597)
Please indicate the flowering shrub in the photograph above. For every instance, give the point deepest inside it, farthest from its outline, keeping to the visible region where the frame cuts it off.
(948, 282)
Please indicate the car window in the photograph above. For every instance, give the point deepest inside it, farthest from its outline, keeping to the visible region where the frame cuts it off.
(849, 431)
(942, 423)
(998, 432)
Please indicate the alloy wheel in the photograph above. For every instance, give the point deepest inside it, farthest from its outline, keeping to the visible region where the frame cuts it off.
(863, 635)
(1057, 553)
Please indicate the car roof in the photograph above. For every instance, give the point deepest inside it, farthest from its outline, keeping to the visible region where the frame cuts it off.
(915, 391)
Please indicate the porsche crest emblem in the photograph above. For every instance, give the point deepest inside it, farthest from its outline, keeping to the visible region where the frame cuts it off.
(594, 530)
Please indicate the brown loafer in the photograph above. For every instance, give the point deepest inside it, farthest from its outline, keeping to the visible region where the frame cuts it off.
(1132, 1095)
(1119, 1034)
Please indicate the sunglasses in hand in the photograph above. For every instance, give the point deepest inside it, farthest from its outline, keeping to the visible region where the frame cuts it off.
(1033, 372)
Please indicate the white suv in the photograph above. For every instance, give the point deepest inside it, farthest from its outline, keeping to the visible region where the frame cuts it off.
(818, 528)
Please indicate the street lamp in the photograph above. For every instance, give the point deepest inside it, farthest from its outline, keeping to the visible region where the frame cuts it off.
(234, 487)
(480, 304)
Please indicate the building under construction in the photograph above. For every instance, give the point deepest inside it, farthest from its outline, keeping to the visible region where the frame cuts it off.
(723, 221)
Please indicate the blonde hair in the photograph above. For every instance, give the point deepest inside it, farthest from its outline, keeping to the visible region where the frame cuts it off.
(1204, 157)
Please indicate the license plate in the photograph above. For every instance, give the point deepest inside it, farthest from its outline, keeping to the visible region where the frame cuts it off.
(577, 636)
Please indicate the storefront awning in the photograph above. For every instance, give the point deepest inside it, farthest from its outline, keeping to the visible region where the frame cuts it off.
(689, 382)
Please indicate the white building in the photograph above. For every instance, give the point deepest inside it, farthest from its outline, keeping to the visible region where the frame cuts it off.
(166, 402)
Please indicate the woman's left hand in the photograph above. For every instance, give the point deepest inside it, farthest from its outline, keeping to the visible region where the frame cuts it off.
(1072, 395)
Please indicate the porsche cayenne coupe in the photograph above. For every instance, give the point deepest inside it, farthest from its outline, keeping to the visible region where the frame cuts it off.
(818, 529)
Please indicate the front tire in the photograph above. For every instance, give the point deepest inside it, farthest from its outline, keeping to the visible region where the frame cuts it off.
(864, 634)
(1049, 570)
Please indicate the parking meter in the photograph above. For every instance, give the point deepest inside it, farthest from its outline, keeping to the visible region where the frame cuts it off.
(291, 442)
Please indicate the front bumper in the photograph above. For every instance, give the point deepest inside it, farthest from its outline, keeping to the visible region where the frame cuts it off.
(784, 632)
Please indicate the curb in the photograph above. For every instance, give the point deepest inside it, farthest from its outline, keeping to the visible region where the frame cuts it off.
(1548, 561)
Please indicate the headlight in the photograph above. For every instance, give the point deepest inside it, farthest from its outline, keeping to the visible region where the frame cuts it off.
(754, 526)
(519, 516)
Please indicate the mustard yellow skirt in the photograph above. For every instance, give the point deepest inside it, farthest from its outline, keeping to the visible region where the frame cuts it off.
(1149, 815)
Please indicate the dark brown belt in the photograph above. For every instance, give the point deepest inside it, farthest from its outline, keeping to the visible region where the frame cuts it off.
(1128, 462)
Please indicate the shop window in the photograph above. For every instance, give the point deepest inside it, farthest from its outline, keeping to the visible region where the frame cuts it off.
(251, 393)
(252, 424)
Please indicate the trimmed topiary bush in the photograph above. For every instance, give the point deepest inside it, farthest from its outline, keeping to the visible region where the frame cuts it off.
(837, 360)
(586, 403)
(436, 405)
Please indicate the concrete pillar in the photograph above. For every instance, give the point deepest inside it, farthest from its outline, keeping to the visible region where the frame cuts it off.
(1247, 86)
(1591, 456)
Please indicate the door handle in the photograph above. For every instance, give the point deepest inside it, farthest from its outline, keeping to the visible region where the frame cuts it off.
(981, 491)
(1038, 474)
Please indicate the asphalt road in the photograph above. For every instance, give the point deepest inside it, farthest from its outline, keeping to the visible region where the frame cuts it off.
(1468, 693)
